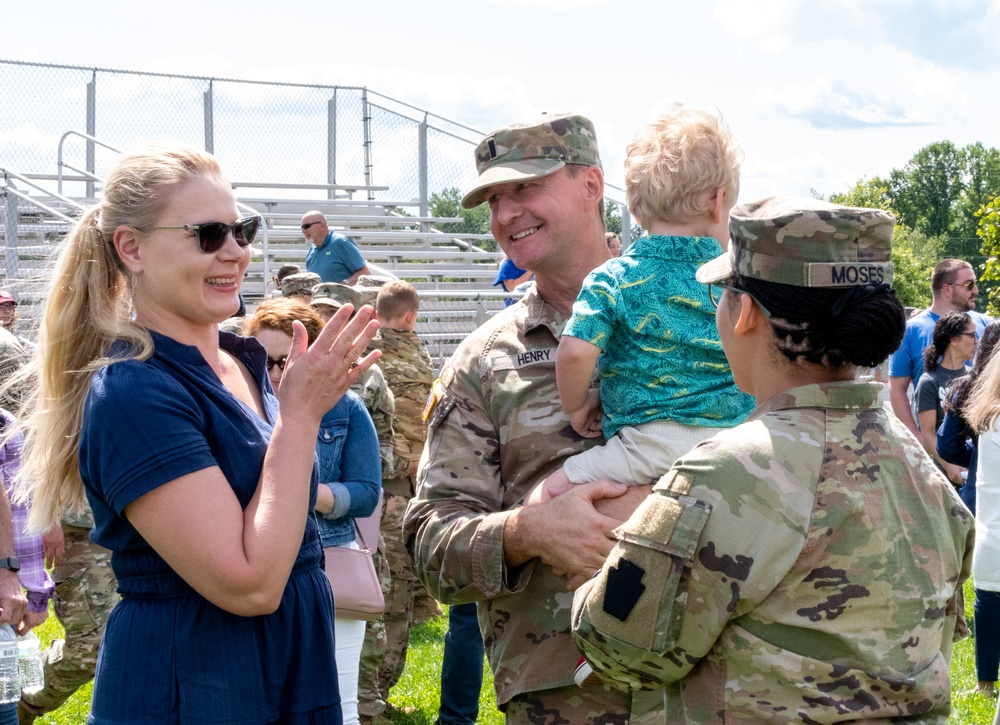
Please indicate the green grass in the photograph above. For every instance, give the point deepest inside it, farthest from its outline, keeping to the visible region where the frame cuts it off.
(74, 711)
(418, 687)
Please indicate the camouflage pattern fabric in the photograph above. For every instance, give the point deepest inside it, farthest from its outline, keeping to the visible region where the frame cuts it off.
(301, 283)
(802, 567)
(408, 371)
(380, 404)
(495, 429)
(85, 595)
(378, 400)
(531, 149)
(399, 599)
(371, 702)
(806, 242)
(586, 706)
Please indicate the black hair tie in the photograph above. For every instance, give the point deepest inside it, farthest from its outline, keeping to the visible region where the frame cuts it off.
(854, 296)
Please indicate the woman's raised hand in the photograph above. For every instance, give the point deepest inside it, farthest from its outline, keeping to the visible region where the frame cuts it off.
(316, 377)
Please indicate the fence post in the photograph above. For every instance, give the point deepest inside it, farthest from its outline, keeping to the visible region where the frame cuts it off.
(626, 227)
(91, 129)
(422, 171)
(366, 119)
(209, 119)
(331, 144)
(9, 208)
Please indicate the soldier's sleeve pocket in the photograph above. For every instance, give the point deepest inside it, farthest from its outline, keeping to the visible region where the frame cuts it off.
(632, 615)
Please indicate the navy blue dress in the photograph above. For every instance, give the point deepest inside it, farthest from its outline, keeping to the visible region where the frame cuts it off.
(168, 654)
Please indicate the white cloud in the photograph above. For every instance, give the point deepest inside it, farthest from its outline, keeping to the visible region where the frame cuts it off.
(762, 23)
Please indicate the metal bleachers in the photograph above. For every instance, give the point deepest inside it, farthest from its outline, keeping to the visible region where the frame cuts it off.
(451, 271)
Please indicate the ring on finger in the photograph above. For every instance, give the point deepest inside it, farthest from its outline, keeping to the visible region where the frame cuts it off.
(352, 365)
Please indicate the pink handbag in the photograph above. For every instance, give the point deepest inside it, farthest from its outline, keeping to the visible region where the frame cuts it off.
(357, 592)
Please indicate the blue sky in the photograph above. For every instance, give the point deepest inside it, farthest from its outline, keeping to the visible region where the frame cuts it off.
(818, 93)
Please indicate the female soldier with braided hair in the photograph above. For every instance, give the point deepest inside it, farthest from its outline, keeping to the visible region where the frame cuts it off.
(803, 566)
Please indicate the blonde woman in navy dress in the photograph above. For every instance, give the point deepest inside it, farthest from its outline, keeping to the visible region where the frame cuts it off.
(199, 485)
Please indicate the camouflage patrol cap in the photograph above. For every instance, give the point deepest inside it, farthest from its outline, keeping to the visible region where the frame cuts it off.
(334, 294)
(299, 283)
(807, 243)
(366, 295)
(532, 149)
(374, 280)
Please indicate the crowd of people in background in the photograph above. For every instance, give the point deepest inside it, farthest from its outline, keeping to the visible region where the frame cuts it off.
(651, 489)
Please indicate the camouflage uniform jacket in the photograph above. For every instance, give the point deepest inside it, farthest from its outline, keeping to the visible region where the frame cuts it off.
(374, 392)
(801, 567)
(409, 373)
(495, 429)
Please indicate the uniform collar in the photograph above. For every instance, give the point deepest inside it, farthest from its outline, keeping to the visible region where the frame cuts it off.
(848, 395)
(536, 312)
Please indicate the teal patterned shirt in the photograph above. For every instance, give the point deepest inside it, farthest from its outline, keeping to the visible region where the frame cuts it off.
(661, 356)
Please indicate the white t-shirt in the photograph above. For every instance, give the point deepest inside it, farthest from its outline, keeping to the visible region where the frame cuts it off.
(986, 554)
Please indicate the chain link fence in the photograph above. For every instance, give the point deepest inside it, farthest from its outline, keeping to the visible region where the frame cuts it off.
(62, 128)
(284, 133)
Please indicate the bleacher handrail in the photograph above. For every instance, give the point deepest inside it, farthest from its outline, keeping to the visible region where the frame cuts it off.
(59, 156)
(40, 205)
(7, 173)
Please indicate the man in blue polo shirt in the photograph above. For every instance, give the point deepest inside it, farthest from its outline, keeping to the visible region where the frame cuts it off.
(953, 286)
(332, 256)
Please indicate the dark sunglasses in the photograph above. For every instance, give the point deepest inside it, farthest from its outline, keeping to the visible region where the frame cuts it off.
(306, 226)
(280, 362)
(212, 235)
(973, 335)
(968, 285)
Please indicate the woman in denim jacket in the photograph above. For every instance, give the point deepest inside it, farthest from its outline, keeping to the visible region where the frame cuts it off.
(350, 471)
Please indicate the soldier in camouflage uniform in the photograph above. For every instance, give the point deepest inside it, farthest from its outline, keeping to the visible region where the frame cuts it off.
(85, 594)
(409, 372)
(804, 566)
(496, 428)
(378, 399)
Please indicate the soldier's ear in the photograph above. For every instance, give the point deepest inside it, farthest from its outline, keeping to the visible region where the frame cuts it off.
(750, 316)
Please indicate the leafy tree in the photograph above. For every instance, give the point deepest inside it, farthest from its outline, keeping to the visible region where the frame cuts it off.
(912, 267)
(982, 182)
(989, 233)
(448, 203)
(926, 191)
(872, 193)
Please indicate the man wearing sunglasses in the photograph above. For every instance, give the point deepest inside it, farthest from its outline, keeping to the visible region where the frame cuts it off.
(954, 287)
(332, 256)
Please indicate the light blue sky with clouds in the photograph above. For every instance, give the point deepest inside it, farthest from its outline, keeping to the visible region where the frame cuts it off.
(818, 93)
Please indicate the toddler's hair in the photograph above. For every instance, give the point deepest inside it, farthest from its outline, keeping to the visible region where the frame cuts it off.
(675, 158)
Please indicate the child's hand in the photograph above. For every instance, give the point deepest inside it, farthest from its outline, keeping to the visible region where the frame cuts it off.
(556, 483)
(587, 420)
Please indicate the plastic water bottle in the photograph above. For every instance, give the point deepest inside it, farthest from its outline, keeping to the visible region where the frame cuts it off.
(29, 663)
(10, 682)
